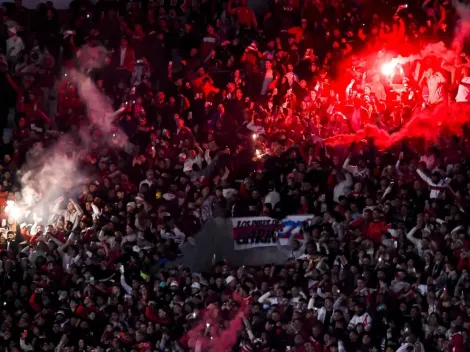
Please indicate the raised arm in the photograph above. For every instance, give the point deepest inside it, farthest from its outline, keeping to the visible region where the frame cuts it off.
(77, 207)
(56, 207)
(425, 178)
(13, 84)
(411, 238)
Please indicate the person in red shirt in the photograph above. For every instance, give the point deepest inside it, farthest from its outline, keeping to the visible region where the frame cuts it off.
(372, 225)
(246, 18)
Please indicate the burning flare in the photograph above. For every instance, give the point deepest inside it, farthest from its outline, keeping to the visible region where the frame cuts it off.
(13, 210)
(388, 68)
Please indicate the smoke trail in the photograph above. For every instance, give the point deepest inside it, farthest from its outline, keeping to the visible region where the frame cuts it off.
(99, 108)
(90, 57)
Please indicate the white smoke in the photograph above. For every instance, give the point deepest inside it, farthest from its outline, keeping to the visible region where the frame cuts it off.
(48, 174)
(99, 108)
(52, 172)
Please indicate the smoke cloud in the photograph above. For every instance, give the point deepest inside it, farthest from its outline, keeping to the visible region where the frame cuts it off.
(52, 172)
(48, 174)
(205, 335)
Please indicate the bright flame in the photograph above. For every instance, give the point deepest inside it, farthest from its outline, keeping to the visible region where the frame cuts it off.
(254, 136)
(388, 68)
(13, 210)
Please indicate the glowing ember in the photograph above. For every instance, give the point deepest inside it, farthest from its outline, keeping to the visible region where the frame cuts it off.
(13, 210)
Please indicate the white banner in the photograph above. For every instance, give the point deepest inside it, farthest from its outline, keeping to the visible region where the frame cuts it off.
(260, 231)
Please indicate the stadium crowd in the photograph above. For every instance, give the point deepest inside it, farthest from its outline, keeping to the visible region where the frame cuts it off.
(226, 111)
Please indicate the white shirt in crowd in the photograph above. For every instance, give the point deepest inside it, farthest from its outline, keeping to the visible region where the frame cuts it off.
(267, 298)
(343, 187)
(272, 198)
(268, 78)
(188, 164)
(436, 188)
(463, 92)
(355, 171)
(15, 46)
(436, 88)
(365, 320)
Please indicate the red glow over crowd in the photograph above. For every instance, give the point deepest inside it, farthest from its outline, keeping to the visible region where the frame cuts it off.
(129, 128)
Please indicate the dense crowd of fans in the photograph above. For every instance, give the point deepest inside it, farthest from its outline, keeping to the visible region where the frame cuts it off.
(225, 111)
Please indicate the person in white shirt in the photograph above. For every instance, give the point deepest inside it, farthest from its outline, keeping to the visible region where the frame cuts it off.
(463, 91)
(273, 197)
(295, 249)
(297, 296)
(359, 171)
(149, 179)
(269, 77)
(272, 297)
(15, 47)
(360, 317)
(343, 186)
(69, 253)
(417, 242)
(435, 182)
(196, 158)
(436, 82)
(73, 213)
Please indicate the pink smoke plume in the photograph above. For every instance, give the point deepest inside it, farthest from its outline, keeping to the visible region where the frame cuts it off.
(206, 336)
(99, 108)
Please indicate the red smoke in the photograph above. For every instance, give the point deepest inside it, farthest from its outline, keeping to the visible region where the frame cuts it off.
(445, 119)
(205, 336)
